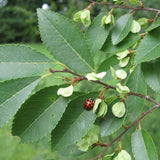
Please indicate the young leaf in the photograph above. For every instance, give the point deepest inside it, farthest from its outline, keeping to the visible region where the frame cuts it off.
(74, 124)
(151, 71)
(17, 61)
(149, 47)
(122, 28)
(143, 146)
(65, 41)
(13, 95)
(130, 40)
(96, 35)
(39, 115)
(136, 83)
(155, 25)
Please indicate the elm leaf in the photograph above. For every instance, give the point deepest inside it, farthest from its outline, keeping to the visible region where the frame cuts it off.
(17, 61)
(65, 41)
(130, 40)
(13, 94)
(149, 47)
(96, 35)
(39, 115)
(74, 124)
(151, 71)
(143, 146)
(136, 83)
(122, 28)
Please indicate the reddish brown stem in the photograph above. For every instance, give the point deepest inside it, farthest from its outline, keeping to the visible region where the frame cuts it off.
(112, 87)
(156, 17)
(100, 144)
(125, 7)
(104, 84)
(126, 129)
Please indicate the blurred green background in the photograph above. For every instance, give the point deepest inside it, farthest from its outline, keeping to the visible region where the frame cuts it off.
(18, 19)
(18, 24)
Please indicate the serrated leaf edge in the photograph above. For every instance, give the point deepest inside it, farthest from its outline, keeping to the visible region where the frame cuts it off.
(19, 90)
(26, 46)
(85, 36)
(67, 42)
(148, 82)
(121, 31)
(34, 140)
(155, 151)
(15, 95)
(69, 129)
(143, 141)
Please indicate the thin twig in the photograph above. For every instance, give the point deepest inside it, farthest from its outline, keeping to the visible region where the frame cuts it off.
(156, 17)
(112, 87)
(106, 85)
(126, 129)
(125, 7)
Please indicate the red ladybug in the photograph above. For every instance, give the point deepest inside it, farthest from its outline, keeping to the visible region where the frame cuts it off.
(88, 104)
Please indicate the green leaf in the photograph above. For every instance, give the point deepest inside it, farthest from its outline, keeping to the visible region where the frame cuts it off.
(13, 95)
(96, 35)
(65, 41)
(130, 40)
(149, 47)
(112, 123)
(111, 61)
(143, 146)
(151, 71)
(74, 124)
(122, 28)
(71, 151)
(39, 115)
(136, 83)
(17, 61)
(154, 26)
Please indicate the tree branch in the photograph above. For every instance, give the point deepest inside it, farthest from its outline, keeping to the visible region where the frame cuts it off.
(156, 17)
(112, 87)
(126, 129)
(104, 84)
(125, 7)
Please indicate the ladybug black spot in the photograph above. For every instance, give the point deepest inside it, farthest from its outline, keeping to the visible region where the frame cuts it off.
(89, 104)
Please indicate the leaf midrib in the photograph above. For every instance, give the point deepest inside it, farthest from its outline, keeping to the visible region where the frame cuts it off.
(69, 128)
(35, 120)
(145, 54)
(152, 49)
(122, 30)
(17, 93)
(144, 144)
(133, 145)
(68, 43)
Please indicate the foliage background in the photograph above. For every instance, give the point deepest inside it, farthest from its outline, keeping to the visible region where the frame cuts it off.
(18, 18)
(18, 21)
